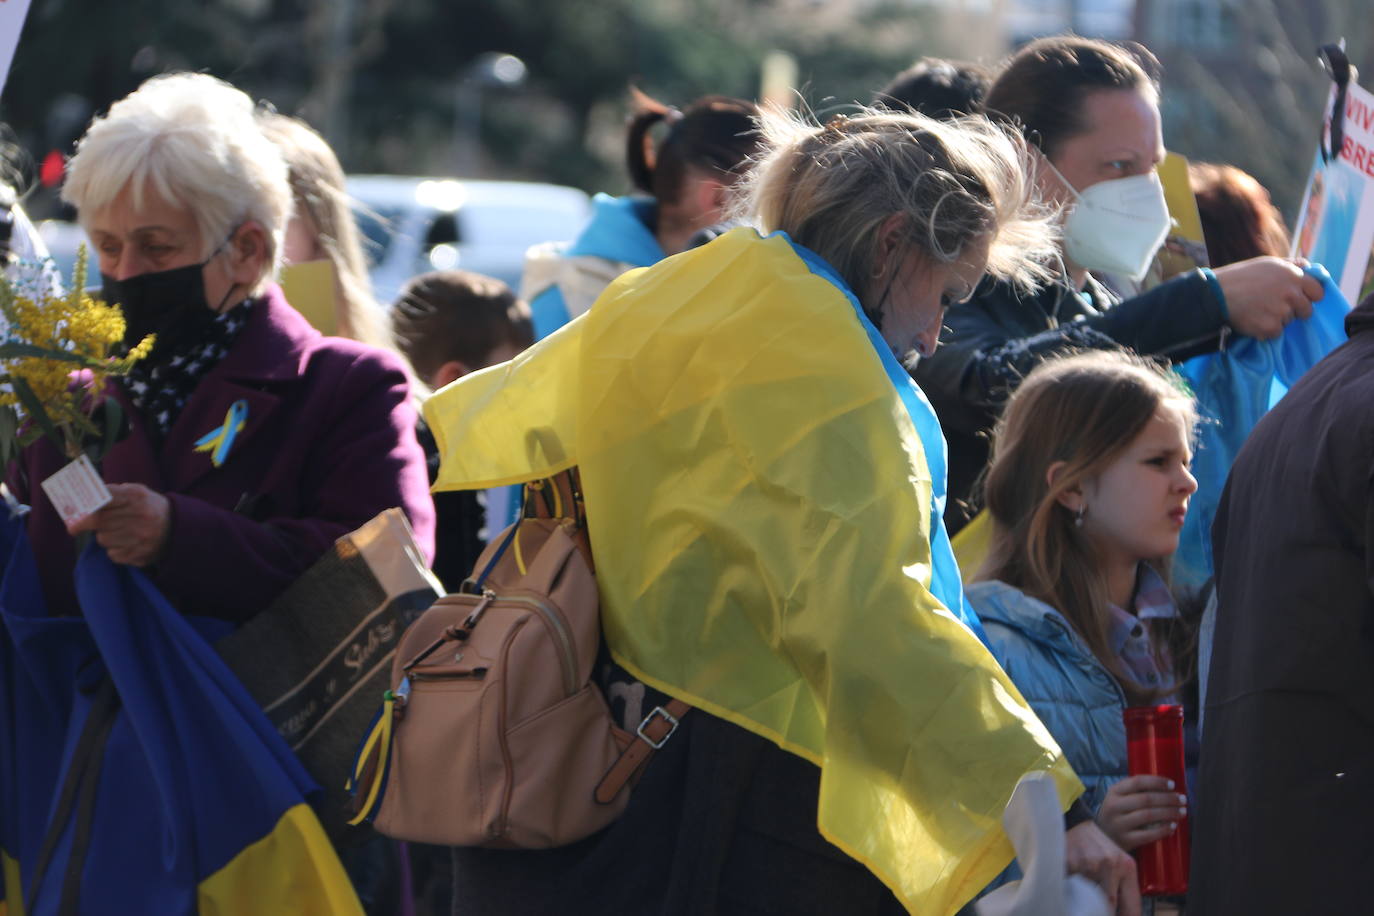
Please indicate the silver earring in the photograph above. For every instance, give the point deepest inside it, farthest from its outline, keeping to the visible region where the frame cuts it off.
(1078, 518)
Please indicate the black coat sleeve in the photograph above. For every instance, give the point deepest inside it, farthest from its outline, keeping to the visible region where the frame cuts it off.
(978, 366)
(979, 362)
(1179, 319)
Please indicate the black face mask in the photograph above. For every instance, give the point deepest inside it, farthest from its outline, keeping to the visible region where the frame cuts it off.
(168, 303)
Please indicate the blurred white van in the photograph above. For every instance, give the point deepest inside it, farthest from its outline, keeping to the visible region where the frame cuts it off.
(412, 225)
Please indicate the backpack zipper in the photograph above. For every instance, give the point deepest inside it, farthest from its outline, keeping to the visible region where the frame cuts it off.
(561, 636)
(475, 674)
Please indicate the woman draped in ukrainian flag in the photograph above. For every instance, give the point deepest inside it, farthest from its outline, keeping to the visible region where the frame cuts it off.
(764, 487)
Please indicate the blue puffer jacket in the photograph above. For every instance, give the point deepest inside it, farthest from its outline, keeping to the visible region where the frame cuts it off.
(1069, 689)
(562, 279)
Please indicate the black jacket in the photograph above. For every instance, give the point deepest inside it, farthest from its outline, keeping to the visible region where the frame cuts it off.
(460, 520)
(722, 823)
(1287, 777)
(993, 340)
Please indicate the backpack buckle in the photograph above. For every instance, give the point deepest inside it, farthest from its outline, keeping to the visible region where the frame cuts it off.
(668, 718)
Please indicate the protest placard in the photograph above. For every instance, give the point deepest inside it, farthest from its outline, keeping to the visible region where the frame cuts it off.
(1336, 218)
(1184, 247)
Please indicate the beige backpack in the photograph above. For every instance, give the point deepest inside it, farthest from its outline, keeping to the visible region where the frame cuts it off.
(493, 732)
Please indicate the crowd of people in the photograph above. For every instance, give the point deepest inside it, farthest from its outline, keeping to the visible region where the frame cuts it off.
(845, 341)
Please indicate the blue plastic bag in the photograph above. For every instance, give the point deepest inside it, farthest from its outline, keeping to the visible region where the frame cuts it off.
(1234, 388)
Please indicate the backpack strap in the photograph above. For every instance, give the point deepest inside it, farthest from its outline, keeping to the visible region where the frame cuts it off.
(658, 726)
(477, 585)
(559, 496)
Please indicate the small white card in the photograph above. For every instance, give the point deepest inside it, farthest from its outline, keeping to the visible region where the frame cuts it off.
(77, 490)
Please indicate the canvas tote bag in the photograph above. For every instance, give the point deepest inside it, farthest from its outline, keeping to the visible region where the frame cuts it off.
(317, 658)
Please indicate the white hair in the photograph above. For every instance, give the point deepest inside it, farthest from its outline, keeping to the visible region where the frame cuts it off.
(193, 139)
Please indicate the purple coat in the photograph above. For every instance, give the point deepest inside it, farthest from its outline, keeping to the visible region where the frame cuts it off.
(328, 443)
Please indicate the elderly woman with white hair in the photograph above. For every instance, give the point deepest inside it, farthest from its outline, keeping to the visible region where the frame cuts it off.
(186, 203)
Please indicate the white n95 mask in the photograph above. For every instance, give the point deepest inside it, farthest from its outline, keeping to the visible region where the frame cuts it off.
(1117, 225)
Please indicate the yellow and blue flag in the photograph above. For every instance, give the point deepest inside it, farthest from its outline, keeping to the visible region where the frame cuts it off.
(136, 774)
(761, 503)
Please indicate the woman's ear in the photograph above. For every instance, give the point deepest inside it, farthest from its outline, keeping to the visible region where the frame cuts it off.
(891, 237)
(450, 371)
(1072, 498)
(709, 199)
(249, 255)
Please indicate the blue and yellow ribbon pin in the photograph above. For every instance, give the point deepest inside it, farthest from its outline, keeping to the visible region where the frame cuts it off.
(218, 441)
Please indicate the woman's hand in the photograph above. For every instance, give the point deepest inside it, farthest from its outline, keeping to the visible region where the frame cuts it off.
(1140, 810)
(132, 527)
(1264, 294)
(1090, 853)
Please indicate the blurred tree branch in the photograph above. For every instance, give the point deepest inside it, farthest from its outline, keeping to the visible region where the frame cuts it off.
(1258, 101)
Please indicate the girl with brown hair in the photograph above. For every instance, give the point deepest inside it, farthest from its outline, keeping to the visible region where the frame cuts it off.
(1088, 490)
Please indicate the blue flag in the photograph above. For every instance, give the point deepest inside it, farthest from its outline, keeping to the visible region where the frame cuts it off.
(136, 774)
(1234, 388)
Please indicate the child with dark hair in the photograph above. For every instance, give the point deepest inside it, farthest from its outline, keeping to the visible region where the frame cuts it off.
(449, 323)
(452, 322)
(684, 180)
(939, 88)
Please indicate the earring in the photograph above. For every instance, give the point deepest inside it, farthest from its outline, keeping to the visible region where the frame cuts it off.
(1078, 517)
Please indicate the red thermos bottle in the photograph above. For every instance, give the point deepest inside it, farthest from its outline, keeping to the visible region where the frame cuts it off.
(1154, 746)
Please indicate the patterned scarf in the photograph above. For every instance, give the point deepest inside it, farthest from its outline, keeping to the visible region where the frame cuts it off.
(161, 385)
